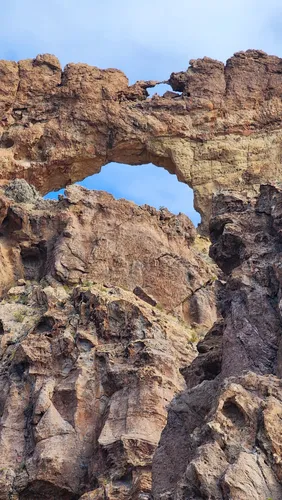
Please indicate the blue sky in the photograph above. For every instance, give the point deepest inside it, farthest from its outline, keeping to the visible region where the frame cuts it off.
(146, 39)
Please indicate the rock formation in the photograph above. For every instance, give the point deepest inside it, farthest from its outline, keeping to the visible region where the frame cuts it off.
(231, 447)
(222, 131)
(102, 305)
(103, 302)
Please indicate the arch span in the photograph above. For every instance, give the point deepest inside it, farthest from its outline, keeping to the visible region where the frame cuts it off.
(58, 127)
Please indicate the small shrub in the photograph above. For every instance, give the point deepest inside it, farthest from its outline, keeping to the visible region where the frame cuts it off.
(22, 465)
(87, 283)
(19, 316)
(159, 307)
(194, 337)
(23, 299)
(14, 298)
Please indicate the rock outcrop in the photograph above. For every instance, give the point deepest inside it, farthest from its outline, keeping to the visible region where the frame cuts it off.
(223, 437)
(103, 302)
(222, 131)
(102, 305)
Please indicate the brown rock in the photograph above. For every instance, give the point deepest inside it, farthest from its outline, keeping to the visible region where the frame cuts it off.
(144, 296)
(87, 370)
(222, 132)
(121, 243)
(233, 448)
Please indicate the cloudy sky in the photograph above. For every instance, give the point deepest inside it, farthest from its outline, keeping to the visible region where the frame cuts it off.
(146, 39)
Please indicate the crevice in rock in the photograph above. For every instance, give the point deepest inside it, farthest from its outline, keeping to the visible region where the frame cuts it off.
(11, 223)
(232, 411)
(34, 259)
(46, 491)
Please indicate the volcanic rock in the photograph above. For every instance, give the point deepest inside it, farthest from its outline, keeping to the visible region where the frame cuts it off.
(222, 439)
(223, 131)
(87, 368)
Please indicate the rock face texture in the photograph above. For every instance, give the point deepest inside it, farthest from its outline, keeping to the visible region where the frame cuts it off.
(230, 447)
(222, 131)
(102, 305)
(104, 394)
(88, 235)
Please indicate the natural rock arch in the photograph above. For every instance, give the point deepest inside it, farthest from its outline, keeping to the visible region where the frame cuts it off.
(143, 185)
(58, 126)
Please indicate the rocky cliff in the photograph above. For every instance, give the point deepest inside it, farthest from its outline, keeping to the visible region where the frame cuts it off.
(102, 305)
(133, 366)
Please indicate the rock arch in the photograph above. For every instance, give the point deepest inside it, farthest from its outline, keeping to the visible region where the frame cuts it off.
(58, 127)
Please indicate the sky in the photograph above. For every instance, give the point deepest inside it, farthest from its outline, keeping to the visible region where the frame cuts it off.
(146, 39)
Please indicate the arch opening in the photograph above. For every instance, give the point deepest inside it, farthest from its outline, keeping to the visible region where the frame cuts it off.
(161, 90)
(142, 184)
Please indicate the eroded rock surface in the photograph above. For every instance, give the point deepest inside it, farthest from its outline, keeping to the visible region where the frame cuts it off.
(223, 437)
(103, 301)
(88, 235)
(102, 305)
(222, 131)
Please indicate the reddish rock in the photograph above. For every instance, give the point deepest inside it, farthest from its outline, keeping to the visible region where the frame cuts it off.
(223, 131)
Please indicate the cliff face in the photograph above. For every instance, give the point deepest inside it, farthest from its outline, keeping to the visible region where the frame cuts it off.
(231, 446)
(223, 131)
(102, 305)
(103, 302)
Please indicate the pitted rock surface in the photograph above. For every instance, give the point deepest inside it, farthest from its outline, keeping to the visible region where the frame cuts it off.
(222, 439)
(102, 302)
(89, 360)
(223, 131)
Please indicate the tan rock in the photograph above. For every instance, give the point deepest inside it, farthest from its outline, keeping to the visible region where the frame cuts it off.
(120, 243)
(87, 369)
(223, 131)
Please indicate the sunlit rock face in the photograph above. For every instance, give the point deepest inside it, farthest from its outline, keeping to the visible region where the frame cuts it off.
(103, 302)
(222, 131)
(102, 305)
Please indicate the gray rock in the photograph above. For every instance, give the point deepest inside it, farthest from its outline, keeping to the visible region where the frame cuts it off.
(22, 192)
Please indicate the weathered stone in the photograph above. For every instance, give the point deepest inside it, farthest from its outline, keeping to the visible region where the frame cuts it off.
(223, 131)
(234, 445)
(87, 369)
(144, 296)
(120, 243)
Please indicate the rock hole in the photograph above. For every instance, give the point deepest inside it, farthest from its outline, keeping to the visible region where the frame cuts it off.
(85, 345)
(163, 90)
(6, 142)
(12, 222)
(45, 324)
(44, 490)
(143, 184)
(126, 480)
(34, 259)
(212, 369)
(19, 369)
(1, 327)
(232, 411)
